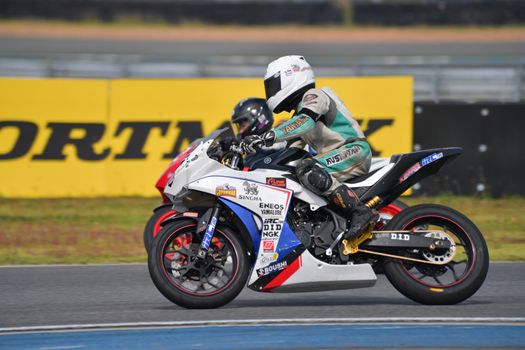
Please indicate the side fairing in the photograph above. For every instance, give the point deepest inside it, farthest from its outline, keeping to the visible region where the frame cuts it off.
(269, 204)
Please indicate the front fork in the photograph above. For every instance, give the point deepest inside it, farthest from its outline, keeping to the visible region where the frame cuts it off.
(210, 229)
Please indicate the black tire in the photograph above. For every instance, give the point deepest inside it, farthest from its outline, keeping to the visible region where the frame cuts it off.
(440, 285)
(153, 227)
(175, 288)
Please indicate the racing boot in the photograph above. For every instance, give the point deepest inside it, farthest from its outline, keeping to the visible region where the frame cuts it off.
(360, 217)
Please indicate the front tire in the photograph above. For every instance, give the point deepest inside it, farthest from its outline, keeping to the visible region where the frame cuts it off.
(193, 283)
(445, 284)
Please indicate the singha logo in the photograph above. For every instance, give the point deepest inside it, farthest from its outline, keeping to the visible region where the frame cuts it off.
(250, 189)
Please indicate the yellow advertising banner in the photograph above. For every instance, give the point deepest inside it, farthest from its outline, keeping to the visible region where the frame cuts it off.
(85, 138)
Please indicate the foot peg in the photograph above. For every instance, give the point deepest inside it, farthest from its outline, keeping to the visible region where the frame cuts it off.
(352, 246)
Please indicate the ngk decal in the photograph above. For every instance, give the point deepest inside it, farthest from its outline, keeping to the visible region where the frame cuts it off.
(272, 228)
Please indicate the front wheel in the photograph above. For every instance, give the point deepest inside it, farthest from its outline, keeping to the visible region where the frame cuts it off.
(457, 273)
(192, 282)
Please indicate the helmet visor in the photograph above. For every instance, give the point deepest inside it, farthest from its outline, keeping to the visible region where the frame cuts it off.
(240, 128)
(272, 85)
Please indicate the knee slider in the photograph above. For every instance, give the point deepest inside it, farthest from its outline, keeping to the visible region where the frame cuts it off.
(304, 166)
(317, 180)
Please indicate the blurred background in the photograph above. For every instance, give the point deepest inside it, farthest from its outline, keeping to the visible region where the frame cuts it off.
(466, 58)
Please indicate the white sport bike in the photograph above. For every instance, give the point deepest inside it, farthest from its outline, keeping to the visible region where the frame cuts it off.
(263, 229)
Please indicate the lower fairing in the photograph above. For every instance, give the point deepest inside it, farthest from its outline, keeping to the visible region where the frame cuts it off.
(307, 274)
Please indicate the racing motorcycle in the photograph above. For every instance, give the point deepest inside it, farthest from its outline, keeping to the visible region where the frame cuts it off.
(165, 210)
(263, 229)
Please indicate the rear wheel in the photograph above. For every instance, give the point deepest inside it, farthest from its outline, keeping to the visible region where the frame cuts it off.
(465, 264)
(192, 282)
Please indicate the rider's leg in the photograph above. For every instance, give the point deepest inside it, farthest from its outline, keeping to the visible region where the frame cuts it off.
(349, 161)
(359, 214)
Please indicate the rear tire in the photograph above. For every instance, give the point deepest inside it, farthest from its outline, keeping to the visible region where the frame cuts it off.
(202, 285)
(439, 284)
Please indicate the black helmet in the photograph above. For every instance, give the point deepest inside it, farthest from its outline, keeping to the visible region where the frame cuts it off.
(251, 116)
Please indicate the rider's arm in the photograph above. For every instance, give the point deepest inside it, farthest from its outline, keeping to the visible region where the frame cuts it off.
(293, 128)
(313, 106)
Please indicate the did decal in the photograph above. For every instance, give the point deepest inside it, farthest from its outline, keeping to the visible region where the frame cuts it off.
(272, 228)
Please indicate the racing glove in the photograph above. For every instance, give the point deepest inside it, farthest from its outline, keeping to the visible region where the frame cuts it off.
(251, 143)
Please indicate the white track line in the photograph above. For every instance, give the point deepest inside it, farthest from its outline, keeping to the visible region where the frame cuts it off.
(275, 321)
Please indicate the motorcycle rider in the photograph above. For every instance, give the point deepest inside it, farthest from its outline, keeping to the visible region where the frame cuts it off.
(322, 121)
(251, 116)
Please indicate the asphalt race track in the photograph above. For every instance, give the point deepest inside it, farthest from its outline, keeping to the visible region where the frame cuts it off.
(117, 306)
(58, 295)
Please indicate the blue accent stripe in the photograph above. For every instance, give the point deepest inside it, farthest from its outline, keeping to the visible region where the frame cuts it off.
(397, 336)
(246, 217)
(288, 241)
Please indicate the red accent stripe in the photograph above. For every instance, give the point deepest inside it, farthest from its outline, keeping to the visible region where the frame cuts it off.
(287, 191)
(284, 275)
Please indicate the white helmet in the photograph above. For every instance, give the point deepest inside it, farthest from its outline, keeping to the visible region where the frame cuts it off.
(285, 80)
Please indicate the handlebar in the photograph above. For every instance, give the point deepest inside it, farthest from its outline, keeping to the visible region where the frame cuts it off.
(233, 158)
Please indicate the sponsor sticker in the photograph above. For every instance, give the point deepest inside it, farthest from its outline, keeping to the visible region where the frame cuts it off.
(269, 258)
(431, 158)
(268, 246)
(271, 209)
(296, 124)
(272, 268)
(276, 181)
(272, 228)
(411, 171)
(226, 191)
(209, 233)
(190, 214)
(251, 192)
(342, 156)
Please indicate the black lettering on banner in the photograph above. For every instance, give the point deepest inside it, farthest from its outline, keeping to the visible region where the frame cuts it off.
(187, 131)
(61, 136)
(373, 126)
(26, 136)
(191, 131)
(139, 134)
